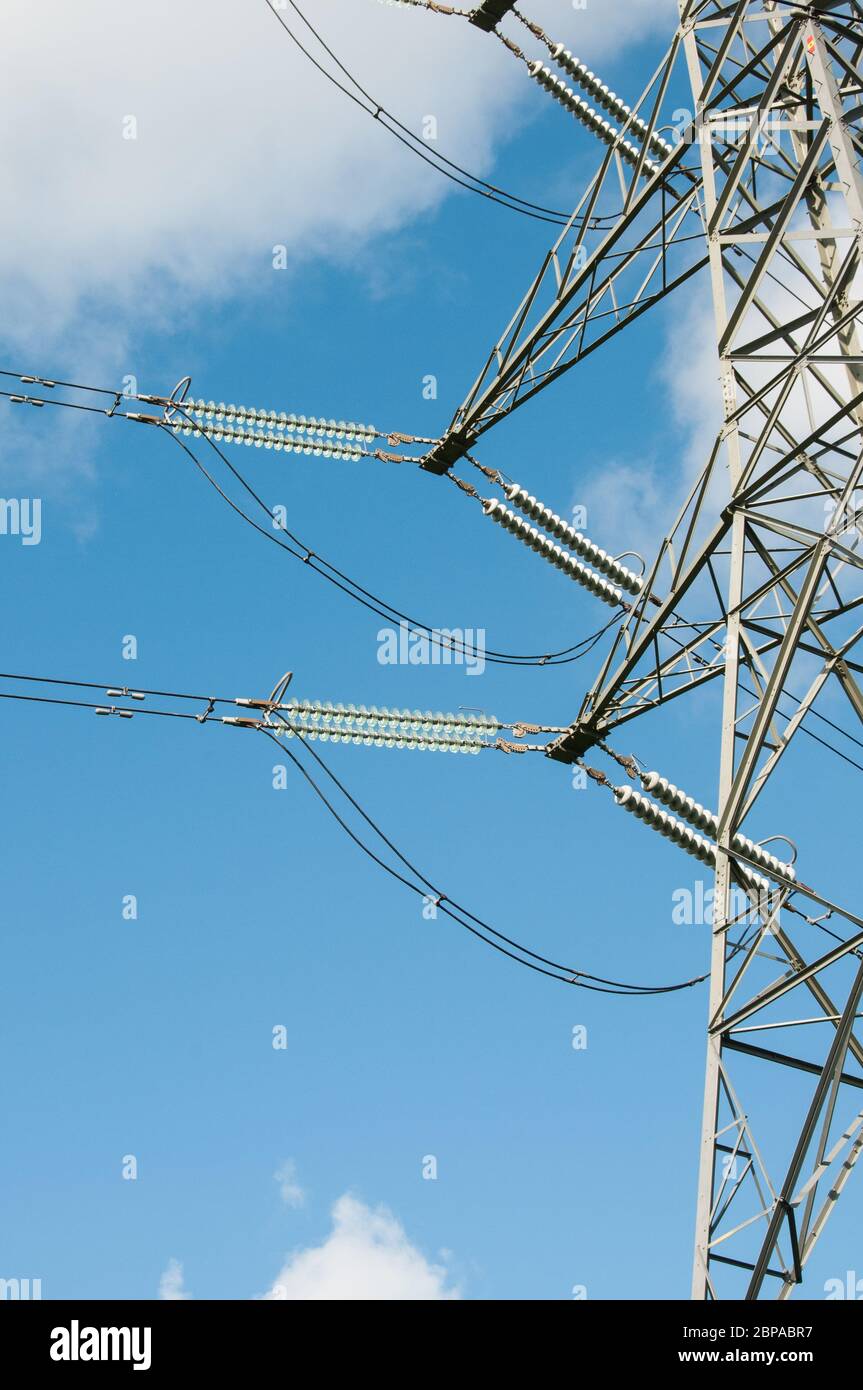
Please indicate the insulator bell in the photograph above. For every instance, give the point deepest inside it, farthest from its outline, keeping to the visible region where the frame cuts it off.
(681, 834)
(590, 118)
(609, 593)
(608, 100)
(699, 816)
(582, 545)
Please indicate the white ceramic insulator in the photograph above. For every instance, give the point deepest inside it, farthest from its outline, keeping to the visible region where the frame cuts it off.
(609, 101)
(582, 545)
(680, 834)
(585, 113)
(269, 419)
(699, 816)
(555, 554)
(289, 444)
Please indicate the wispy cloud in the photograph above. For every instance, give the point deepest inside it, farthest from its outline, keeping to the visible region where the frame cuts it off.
(292, 1194)
(171, 1283)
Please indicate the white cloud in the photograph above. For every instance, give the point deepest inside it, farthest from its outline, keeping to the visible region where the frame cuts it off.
(240, 144)
(292, 1193)
(690, 368)
(628, 505)
(632, 499)
(366, 1256)
(171, 1283)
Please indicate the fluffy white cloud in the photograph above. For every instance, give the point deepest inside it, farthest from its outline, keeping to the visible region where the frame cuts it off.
(240, 145)
(366, 1256)
(171, 1283)
(629, 503)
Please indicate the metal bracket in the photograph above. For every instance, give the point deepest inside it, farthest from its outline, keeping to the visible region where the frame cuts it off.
(488, 15)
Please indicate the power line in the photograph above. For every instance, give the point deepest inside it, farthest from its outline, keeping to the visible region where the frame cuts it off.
(363, 596)
(453, 909)
(313, 716)
(458, 914)
(352, 588)
(450, 170)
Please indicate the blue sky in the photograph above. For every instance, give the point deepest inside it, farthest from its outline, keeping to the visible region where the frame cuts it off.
(406, 1037)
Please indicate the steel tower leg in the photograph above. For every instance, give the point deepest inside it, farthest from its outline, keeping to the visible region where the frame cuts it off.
(730, 796)
(707, 1150)
(761, 573)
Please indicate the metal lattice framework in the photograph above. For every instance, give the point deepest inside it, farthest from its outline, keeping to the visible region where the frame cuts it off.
(757, 585)
(754, 591)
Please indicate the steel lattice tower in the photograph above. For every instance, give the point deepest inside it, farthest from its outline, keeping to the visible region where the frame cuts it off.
(757, 584)
(756, 589)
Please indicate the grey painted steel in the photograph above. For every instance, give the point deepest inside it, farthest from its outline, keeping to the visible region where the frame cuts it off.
(757, 584)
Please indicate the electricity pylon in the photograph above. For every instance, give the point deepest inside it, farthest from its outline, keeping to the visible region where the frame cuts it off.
(756, 587)
(757, 584)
